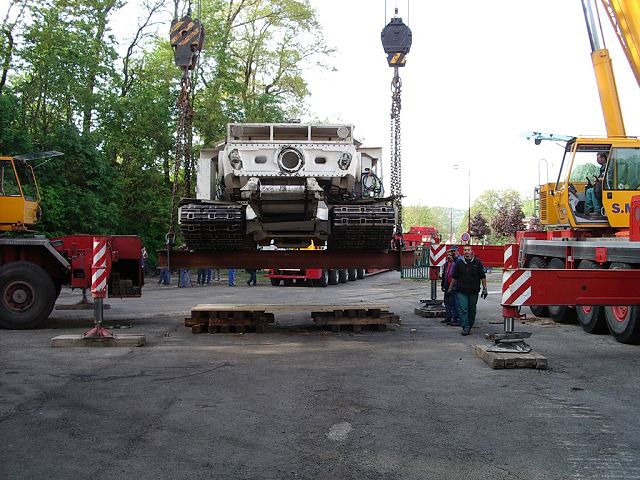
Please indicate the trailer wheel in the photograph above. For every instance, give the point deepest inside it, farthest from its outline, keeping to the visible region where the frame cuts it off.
(323, 281)
(623, 320)
(288, 282)
(27, 295)
(560, 313)
(353, 275)
(540, 311)
(360, 273)
(343, 276)
(591, 317)
(275, 282)
(333, 277)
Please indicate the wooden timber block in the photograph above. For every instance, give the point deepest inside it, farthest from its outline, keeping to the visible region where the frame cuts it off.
(500, 360)
(382, 320)
(199, 328)
(80, 341)
(80, 306)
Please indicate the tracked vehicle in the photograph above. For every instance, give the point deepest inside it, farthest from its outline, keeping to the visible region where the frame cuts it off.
(286, 185)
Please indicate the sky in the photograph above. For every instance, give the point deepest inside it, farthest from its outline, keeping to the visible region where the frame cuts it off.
(479, 75)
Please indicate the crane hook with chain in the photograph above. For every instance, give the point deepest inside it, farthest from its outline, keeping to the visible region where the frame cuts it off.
(187, 39)
(396, 40)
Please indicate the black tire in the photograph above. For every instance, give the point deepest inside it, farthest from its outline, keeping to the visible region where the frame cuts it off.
(360, 273)
(540, 311)
(287, 282)
(333, 277)
(323, 281)
(591, 317)
(301, 282)
(27, 295)
(275, 282)
(353, 276)
(343, 276)
(623, 321)
(560, 313)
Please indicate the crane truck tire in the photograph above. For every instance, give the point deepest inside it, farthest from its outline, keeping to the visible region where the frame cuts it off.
(27, 295)
(343, 276)
(538, 310)
(360, 273)
(353, 275)
(591, 317)
(275, 282)
(560, 313)
(623, 320)
(333, 277)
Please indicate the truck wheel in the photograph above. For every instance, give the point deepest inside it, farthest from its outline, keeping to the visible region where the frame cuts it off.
(538, 310)
(623, 320)
(275, 282)
(323, 281)
(353, 276)
(360, 273)
(27, 295)
(343, 276)
(560, 313)
(591, 317)
(333, 277)
(288, 282)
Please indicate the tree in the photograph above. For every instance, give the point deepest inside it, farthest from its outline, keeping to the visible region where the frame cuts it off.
(479, 226)
(508, 219)
(580, 173)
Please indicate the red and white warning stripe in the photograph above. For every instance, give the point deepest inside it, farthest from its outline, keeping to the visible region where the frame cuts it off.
(99, 268)
(437, 255)
(510, 257)
(516, 287)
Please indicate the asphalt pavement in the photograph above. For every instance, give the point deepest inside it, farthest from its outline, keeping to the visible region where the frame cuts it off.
(413, 402)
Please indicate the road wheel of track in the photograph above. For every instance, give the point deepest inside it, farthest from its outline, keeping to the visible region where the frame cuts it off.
(333, 277)
(343, 276)
(27, 295)
(560, 313)
(360, 273)
(591, 317)
(623, 320)
(353, 275)
(538, 310)
(275, 282)
(323, 281)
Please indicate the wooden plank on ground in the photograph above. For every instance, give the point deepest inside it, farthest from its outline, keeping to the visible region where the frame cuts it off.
(284, 308)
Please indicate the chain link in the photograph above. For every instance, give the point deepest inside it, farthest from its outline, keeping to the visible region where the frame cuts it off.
(396, 147)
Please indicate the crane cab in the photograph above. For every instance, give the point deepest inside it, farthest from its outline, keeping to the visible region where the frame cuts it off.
(19, 195)
(576, 200)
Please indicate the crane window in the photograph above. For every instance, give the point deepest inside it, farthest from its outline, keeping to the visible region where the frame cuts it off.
(27, 180)
(623, 171)
(9, 186)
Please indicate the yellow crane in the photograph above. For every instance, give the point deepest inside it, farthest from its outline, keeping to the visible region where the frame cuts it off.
(566, 202)
(19, 194)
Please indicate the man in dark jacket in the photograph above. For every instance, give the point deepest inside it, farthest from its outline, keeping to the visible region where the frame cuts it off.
(467, 276)
(450, 303)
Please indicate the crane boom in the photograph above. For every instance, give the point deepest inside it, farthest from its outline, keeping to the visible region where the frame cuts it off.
(624, 16)
(603, 69)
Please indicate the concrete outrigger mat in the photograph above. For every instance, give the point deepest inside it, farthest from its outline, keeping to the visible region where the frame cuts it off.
(116, 341)
(430, 311)
(511, 360)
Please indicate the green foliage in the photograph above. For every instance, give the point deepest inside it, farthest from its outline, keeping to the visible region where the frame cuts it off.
(446, 220)
(580, 172)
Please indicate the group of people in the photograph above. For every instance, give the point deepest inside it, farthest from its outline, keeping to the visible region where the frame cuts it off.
(205, 276)
(462, 277)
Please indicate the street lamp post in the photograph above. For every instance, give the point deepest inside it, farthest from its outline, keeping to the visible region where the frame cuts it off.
(460, 167)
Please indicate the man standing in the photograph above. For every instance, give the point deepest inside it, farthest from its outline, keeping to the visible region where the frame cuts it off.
(450, 303)
(468, 274)
(232, 277)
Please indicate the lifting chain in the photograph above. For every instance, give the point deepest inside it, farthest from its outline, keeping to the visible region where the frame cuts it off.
(396, 147)
(187, 39)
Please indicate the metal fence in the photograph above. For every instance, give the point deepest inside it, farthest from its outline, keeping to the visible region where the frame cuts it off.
(420, 268)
